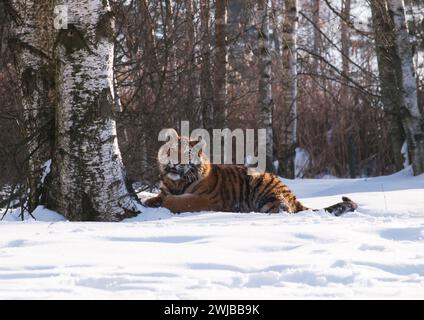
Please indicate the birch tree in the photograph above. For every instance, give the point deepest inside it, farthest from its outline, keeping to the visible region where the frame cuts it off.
(265, 101)
(88, 179)
(33, 45)
(287, 150)
(412, 119)
(390, 76)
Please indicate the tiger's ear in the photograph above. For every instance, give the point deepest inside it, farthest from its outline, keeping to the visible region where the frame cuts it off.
(199, 144)
(192, 143)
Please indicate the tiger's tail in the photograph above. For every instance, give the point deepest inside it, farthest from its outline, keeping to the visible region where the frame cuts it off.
(347, 205)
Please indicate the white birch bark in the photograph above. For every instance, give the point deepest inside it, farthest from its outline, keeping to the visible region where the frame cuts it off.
(289, 128)
(276, 22)
(265, 89)
(88, 176)
(411, 117)
(33, 44)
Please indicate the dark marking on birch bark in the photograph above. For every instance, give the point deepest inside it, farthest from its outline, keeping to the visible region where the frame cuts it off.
(28, 81)
(87, 209)
(72, 40)
(104, 27)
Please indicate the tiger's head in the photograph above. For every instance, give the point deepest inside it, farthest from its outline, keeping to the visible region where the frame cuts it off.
(183, 161)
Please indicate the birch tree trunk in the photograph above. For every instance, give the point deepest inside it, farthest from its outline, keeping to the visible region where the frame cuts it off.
(410, 114)
(276, 26)
(206, 90)
(33, 45)
(287, 151)
(220, 81)
(390, 76)
(265, 101)
(88, 179)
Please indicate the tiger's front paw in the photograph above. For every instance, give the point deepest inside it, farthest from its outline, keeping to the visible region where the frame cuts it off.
(154, 202)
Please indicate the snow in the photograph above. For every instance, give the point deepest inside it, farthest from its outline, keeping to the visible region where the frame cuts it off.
(301, 162)
(377, 252)
(405, 155)
(45, 170)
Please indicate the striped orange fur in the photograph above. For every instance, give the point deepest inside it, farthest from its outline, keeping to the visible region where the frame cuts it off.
(209, 187)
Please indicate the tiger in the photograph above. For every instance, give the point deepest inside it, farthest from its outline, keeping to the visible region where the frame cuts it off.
(202, 186)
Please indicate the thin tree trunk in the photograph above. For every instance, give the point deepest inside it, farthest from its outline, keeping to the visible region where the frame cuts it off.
(150, 41)
(345, 97)
(88, 179)
(317, 35)
(235, 41)
(265, 101)
(390, 77)
(206, 90)
(170, 39)
(220, 81)
(275, 25)
(345, 37)
(287, 150)
(6, 12)
(410, 114)
(33, 45)
(192, 83)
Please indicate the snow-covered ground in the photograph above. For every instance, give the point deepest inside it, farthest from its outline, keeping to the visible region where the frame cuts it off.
(377, 252)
